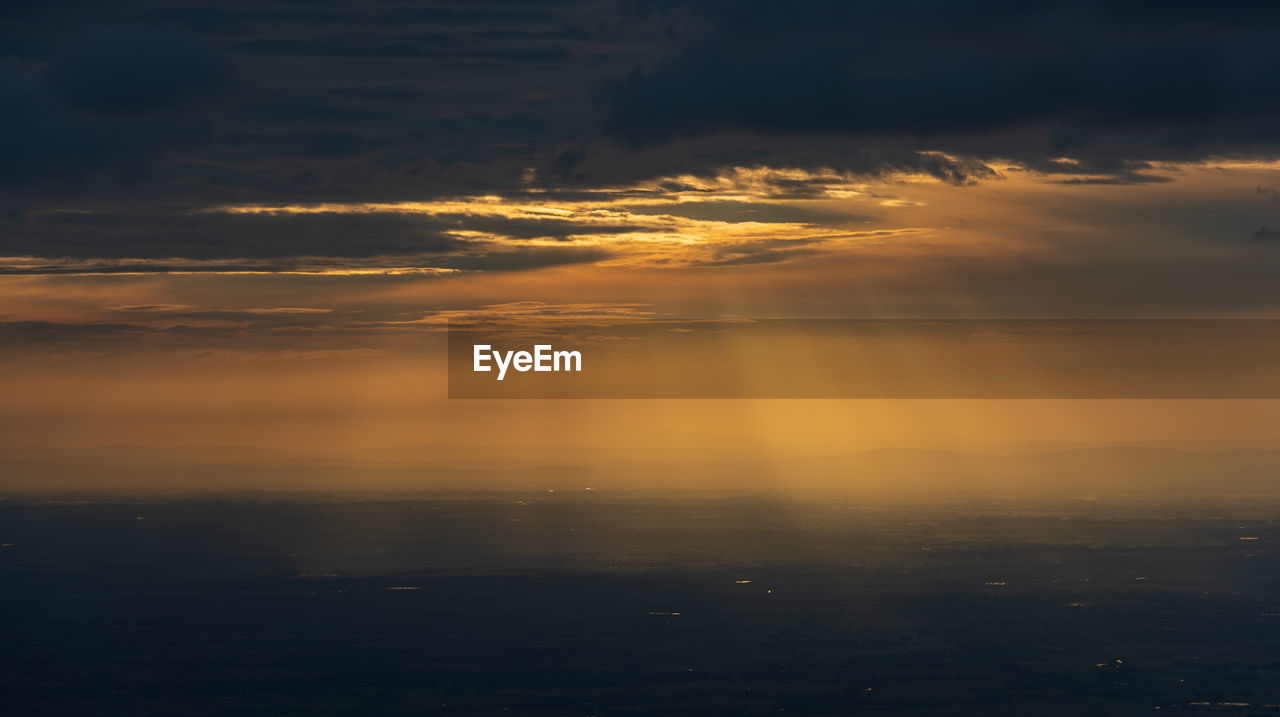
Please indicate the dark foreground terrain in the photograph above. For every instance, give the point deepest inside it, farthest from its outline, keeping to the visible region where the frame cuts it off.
(599, 604)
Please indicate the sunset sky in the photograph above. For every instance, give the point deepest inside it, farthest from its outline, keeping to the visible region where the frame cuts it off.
(249, 223)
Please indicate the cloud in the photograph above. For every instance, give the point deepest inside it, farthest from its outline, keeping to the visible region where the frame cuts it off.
(150, 308)
(672, 221)
(526, 258)
(1265, 235)
(136, 70)
(15, 335)
(376, 100)
(1129, 79)
(155, 235)
(107, 108)
(594, 159)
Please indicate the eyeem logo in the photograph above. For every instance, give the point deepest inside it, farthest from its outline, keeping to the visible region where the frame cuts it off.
(543, 359)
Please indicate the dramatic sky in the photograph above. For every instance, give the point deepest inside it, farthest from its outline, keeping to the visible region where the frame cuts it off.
(247, 222)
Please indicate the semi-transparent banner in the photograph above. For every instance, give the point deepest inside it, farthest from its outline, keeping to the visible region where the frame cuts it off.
(783, 358)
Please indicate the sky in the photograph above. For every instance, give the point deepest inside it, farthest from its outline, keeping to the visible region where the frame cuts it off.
(248, 223)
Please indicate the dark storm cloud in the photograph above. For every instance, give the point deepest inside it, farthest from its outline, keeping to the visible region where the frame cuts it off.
(1146, 77)
(402, 101)
(221, 236)
(162, 105)
(218, 235)
(105, 242)
(363, 100)
(481, 258)
(592, 160)
(108, 104)
(381, 98)
(135, 69)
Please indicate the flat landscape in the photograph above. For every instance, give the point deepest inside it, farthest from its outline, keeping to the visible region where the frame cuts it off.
(599, 603)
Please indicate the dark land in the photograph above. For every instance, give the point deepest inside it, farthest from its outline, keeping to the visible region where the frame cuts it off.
(600, 603)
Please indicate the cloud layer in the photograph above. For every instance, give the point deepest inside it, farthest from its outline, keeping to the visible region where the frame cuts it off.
(1133, 79)
(453, 138)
